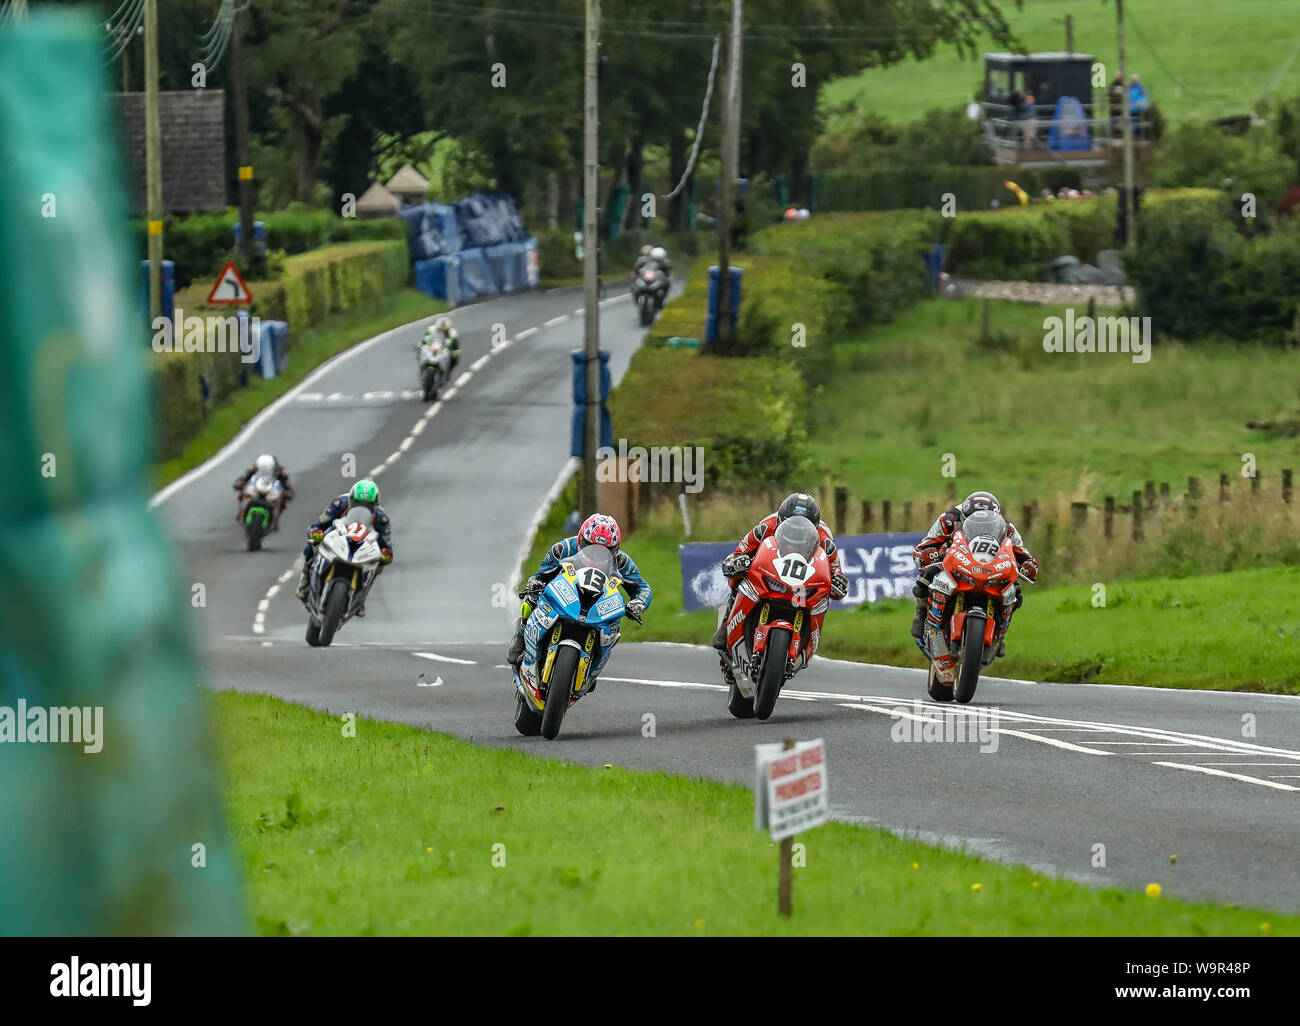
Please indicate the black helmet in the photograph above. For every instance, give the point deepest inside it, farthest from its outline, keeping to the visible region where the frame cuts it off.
(800, 504)
(980, 500)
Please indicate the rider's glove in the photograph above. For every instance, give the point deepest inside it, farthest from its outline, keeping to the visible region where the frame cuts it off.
(1029, 569)
(839, 585)
(315, 537)
(736, 564)
(532, 588)
(933, 555)
(636, 609)
(385, 555)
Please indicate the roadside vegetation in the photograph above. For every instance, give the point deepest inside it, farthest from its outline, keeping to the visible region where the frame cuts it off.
(446, 838)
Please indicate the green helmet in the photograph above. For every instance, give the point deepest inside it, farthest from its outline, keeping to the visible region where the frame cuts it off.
(364, 493)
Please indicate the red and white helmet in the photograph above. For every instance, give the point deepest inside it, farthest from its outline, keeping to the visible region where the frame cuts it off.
(599, 529)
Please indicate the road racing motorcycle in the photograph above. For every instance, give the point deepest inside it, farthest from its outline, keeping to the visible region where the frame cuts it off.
(576, 625)
(435, 359)
(649, 290)
(775, 623)
(971, 601)
(259, 508)
(342, 572)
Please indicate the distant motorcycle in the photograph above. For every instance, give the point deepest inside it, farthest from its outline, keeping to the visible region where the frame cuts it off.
(649, 290)
(971, 601)
(260, 504)
(342, 573)
(435, 361)
(578, 615)
(776, 621)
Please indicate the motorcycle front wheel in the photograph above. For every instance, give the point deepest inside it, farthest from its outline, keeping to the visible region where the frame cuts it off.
(558, 690)
(332, 615)
(970, 662)
(773, 675)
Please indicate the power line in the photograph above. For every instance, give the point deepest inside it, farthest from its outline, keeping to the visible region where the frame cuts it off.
(704, 113)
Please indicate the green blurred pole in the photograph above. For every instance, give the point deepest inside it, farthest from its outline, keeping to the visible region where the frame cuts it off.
(153, 156)
(240, 76)
(591, 245)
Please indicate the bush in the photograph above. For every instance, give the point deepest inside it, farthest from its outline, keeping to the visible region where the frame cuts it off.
(1015, 244)
(1202, 156)
(178, 405)
(340, 277)
(924, 186)
(555, 256)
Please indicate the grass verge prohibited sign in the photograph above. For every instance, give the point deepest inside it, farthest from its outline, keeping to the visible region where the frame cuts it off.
(790, 792)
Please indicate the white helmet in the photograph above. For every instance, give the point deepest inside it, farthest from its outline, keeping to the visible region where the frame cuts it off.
(265, 465)
(659, 253)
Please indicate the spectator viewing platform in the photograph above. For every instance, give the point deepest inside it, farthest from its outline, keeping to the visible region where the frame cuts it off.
(1038, 108)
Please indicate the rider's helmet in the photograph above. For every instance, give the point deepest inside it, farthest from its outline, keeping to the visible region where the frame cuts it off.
(599, 529)
(979, 501)
(443, 324)
(645, 251)
(799, 504)
(659, 253)
(364, 493)
(265, 465)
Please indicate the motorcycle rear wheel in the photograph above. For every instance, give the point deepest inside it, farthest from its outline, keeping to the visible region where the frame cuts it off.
(558, 691)
(527, 720)
(773, 675)
(430, 387)
(253, 531)
(332, 615)
(970, 663)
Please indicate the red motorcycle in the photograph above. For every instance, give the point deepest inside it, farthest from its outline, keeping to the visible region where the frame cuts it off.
(971, 602)
(776, 620)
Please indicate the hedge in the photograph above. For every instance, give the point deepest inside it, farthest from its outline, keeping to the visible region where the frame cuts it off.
(924, 186)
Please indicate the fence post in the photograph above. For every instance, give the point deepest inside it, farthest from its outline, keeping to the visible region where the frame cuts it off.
(1164, 494)
(952, 490)
(1223, 488)
(929, 514)
(1286, 486)
(841, 509)
(1150, 496)
(1108, 517)
(907, 515)
(1254, 484)
(1137, 516)
(866, 516)
(1193, 493)
(1078, 516)
(885, 510)
(1028, 518)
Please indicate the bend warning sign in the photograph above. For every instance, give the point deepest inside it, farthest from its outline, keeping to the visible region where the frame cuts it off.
(230, 288)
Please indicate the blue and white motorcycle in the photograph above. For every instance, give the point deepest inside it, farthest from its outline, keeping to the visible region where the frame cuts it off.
(568, 639)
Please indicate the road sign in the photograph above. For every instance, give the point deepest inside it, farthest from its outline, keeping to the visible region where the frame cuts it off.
(790, 791)
(230, 288)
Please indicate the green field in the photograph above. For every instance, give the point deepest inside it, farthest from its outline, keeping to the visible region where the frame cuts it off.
(398, 831)
(1199, 60)
(1027, 424)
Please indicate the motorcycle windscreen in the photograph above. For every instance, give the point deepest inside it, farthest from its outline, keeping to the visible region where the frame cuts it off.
(359, 515)
(985, 531)
(797, 536)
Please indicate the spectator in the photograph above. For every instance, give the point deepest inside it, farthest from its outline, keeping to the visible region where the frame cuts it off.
(1137, 104)
(1116, 95)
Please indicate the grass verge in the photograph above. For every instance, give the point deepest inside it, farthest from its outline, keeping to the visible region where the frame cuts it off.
(398, 831)
(309, 349)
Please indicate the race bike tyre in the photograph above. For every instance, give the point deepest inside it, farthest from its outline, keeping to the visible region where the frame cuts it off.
(773, 676)
(739, 706)
(558, 691)
(313, 634)
(527, 720)
(969, 663)
(332, 615)
(940, 692)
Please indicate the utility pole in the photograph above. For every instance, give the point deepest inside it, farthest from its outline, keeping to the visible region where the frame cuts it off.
(730, 170)
(1130, 200)
(153, 157)
(241, 139)
(1069, 33)
(590, 243)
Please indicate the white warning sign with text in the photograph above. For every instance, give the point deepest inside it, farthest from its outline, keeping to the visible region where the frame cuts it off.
(790, 792)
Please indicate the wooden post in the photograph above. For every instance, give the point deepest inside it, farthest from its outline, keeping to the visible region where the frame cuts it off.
(842, 510)
(984, 323)
(884, 513)
(1150, 496)
(1223, 488)
(1286, 486)
(1078, 516)
(929, 514)
(1137, 516)
(1108, 517)
(1193, 493)
(907, 515)
(1027, 519)
(866, 516)
(787, 865)
(952, 490)
(1254, 484)
(1164, 494)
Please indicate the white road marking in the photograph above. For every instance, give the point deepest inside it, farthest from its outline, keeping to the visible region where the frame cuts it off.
(335, 397)
(432, 411)
(451, 392)
(429, 683)
(502, 345)
(667, 683)
(418, 426)
(531, 534)
(556, 320)
(464, 378)
(311, 397)
(615, 299)
(526, 333)
(261, 606)
(478, 364)
(411, 393)
(444, 659)
(376, 395)
(393, 458)
(581, 311)
(409, 440)
(1223, 773)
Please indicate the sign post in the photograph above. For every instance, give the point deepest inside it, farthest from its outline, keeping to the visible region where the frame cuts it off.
(790, 795)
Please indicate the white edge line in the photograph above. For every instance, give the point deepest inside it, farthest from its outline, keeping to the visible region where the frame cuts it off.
(566, 472)
(165, 493)
(1222, 773)
(444, 659)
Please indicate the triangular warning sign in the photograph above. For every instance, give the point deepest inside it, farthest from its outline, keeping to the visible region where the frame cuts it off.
(230, 288)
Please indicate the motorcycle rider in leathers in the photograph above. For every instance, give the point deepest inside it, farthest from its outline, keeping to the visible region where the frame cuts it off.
(930, 551)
